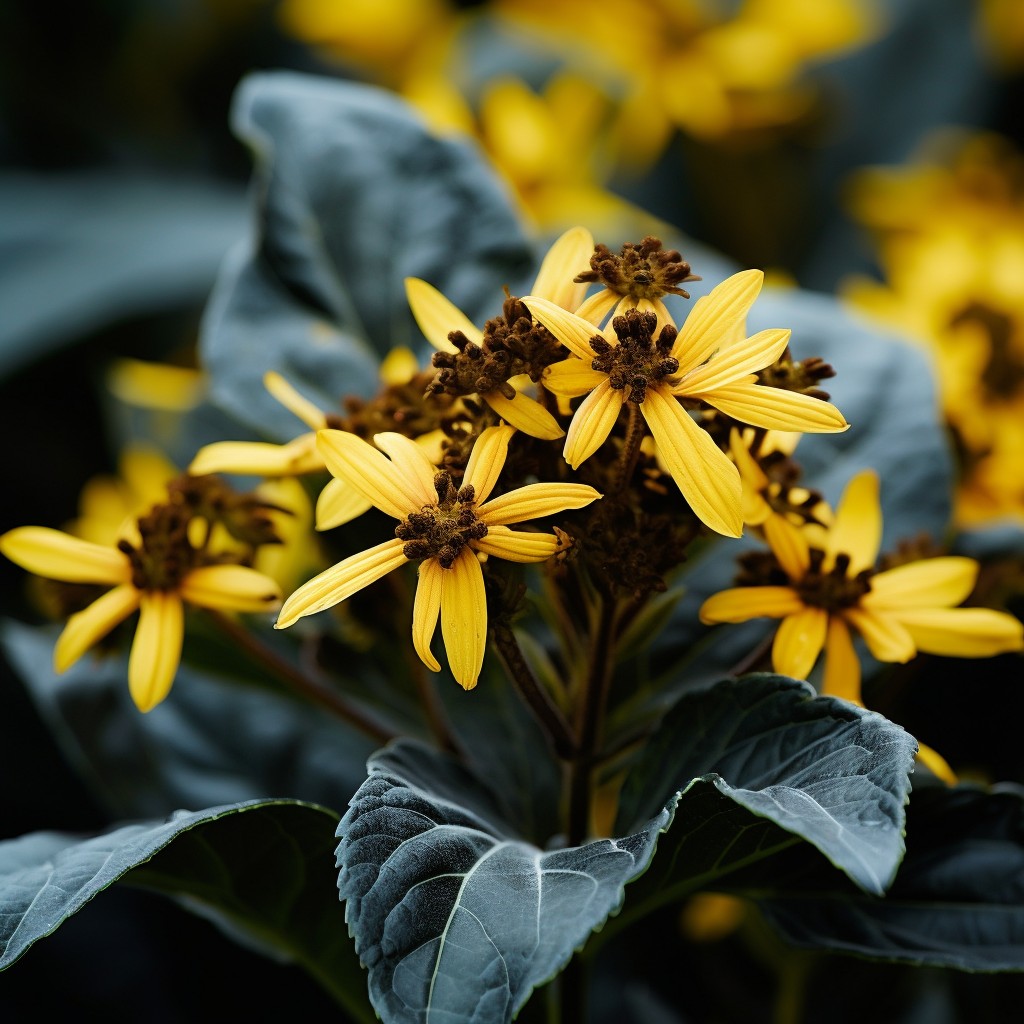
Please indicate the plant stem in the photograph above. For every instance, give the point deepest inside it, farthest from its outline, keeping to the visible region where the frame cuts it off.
(635, 430)
(750, 660)
(594, 700)
(268, 658)
(537, 699)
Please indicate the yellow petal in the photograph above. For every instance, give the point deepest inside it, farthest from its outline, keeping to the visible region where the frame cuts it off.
(517, 545)
(799, 641)
(715, 317)
(86, 627)
(856, 529)
(742, 603)
(339, 504)
(773, 408)
(525, 414)
(230, 588)
(296, 403)
(936, 764)
(399, 366)
(464, 618)
(842, 666)
(788, 544)
(341, 581)
(598, 306)
(572, 377)
(411, 462)
(703, 473)
(156, 385)
(886, 638)
(592, 423)
(437, 317)
(748, 466)
(568, 257)
(258, 458)
(370, 472)
(156, 649)
(425, 609)
(931, 583)
(572, 331)
(962, 632)
(59, 556)
(736, 361)
(486, 461)
(534, 501)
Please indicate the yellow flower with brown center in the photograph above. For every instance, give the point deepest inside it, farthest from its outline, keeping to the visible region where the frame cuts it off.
(641, 359)
(155, 573)
(492, 362)
(447, 530)
(833, 589)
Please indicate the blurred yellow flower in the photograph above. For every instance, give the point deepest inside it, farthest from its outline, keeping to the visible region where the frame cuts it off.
(833, 589)
(448, 530)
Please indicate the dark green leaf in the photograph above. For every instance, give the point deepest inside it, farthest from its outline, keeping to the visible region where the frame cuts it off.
(958, 900)
(353, 195)
(261, 867)
(455, 917)
(770, 764)
(214, 740)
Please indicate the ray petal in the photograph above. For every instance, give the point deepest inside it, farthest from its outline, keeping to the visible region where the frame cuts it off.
(788, 544)
(715, 317)
(572, 377)
(572, 331)
(930, 583)
(297, 404)
(534, 501)
(799, 641)
(339, 504)
(517, 545)
(842, 666)
(156, 649)
(231, 588)
(258, 458)
(856, 529)
(464, 618)
(370, 472)
(437, 317)
(592, 423)
(86, 627)
(486, 461)
(774, 408)
(963, 632)
(425, 609)
(742, 603)
(412, 462)
(702, 471)
(341, 581)
(886, 637)
(59, 556)
(525, 414)
(567, 258)
(736, 361)
(598, 306)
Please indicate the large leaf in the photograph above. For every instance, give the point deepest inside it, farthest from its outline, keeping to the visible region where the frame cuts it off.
(958, 900)
(353, 195)
(80, 250)
(455, 917)
(213, 741)
(262, 868)
(770, 764)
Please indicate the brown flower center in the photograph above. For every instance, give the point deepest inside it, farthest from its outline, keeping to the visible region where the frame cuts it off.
(165, 555)
(833, 590)
(1003, 374)
(638, 360)
(441, 531)
(642, 270)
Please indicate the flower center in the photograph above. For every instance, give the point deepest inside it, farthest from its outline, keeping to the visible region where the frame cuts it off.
(165, 555)
(638, 360)
(441, 531)
(1003, 374)
(643, 270)
(832, 590)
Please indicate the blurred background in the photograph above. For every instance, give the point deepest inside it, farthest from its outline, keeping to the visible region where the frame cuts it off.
(866, 148)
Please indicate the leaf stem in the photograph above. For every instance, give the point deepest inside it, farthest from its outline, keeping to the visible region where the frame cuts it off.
(265, 656)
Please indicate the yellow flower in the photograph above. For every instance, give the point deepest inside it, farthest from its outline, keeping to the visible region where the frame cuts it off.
(835, 588)
(438, 319)
(641, 359)
(151, 581)
(448, 531)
